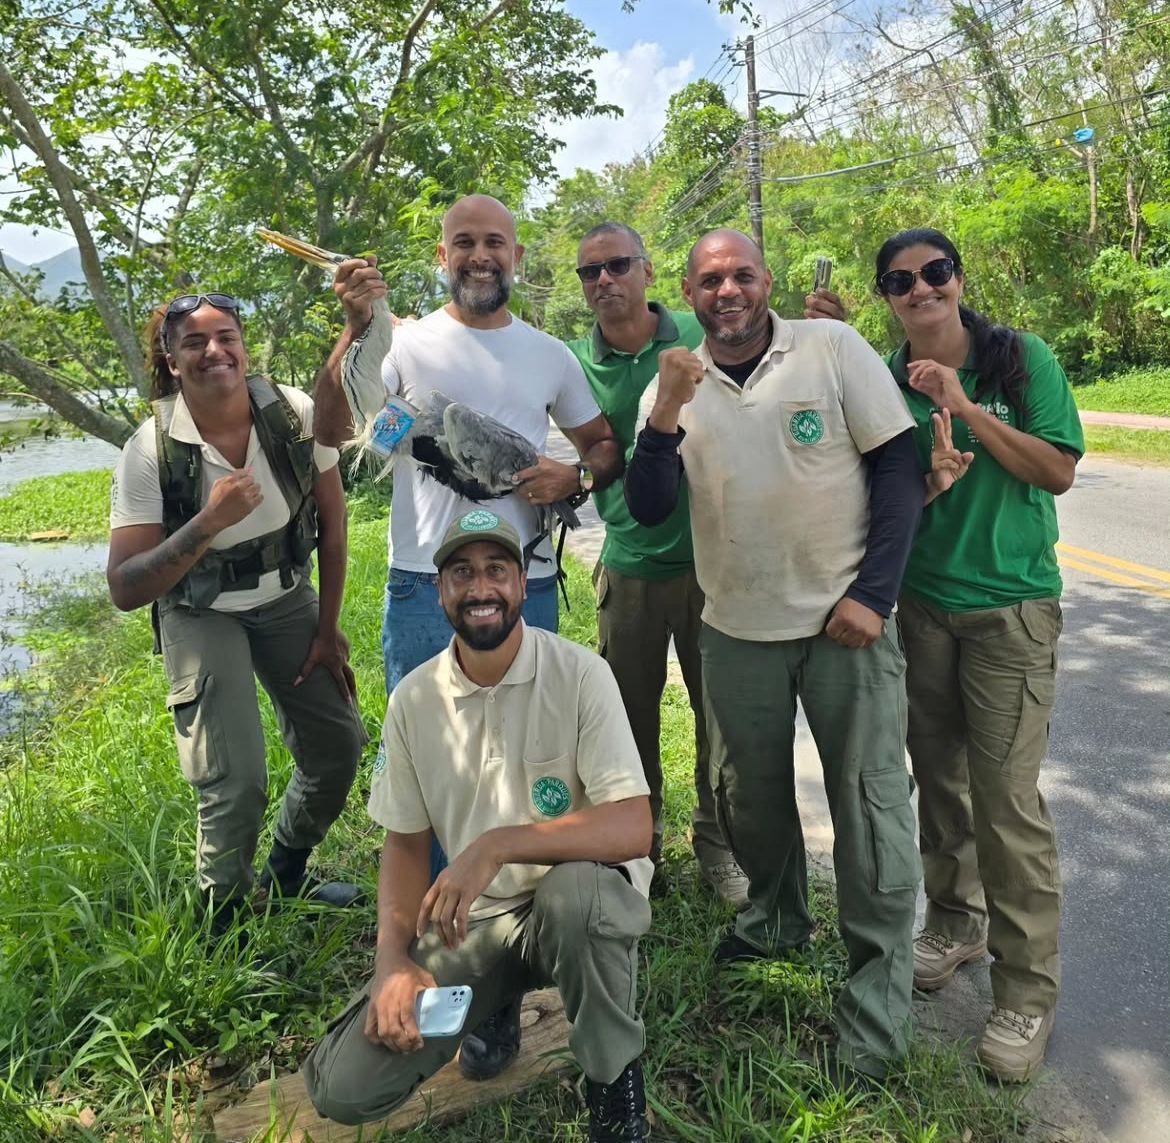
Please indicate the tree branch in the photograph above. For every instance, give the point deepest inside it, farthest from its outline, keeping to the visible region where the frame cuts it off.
(46, 388)
(120, 332)
(73, 349)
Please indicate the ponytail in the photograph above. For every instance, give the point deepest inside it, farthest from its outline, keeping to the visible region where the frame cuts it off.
(999, 360)
(163, 383)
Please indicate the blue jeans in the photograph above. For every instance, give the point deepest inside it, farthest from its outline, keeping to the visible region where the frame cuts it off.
(415, 629)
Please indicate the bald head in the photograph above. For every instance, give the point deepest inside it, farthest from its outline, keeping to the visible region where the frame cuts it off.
(728, 286)
(727, 241)
(479, 253)
(480, 210)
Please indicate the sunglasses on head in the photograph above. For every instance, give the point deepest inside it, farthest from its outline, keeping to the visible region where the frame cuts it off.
(935, 273)
(614, 267)
(188, 303)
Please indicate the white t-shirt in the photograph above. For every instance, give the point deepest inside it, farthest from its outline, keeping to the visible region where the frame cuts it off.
(515, 374)
(135, 496)
(550, 738)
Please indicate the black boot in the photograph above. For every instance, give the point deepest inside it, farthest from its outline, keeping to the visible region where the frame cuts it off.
(488, 1049)
(617, 1111)
(223, 913)
(284, 876)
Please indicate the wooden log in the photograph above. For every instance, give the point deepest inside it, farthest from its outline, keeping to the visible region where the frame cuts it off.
(446, 1096)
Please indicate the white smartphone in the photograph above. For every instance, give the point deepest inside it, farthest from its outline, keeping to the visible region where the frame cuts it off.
(441, 1011)
(824, 272)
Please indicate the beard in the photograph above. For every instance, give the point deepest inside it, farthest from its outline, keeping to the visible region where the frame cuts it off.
(481, 297)
(756, 321)
(480, 637)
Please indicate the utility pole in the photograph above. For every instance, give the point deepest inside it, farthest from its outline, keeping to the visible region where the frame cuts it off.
(755, 172)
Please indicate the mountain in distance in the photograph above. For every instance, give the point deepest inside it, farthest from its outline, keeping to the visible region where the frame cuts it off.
(61, 270)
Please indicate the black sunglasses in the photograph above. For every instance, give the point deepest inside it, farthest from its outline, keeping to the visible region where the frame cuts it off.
(187, 303)
(614, 267)
(935, 273)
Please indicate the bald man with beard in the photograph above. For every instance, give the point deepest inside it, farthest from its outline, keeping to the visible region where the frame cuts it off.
(476, 352)
(805, 496)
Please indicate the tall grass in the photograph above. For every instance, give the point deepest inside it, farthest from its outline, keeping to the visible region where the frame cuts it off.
(114, 1001)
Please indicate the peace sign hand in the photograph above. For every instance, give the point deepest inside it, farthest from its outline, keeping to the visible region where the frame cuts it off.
(947, 464)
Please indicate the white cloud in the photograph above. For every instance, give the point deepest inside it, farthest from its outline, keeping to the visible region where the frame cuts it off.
(640, 81)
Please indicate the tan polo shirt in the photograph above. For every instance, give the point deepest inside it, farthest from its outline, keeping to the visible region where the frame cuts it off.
(550, 738)
(136, 498)
(779, 490)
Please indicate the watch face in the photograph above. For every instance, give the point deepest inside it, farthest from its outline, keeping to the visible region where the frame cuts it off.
(585, 478)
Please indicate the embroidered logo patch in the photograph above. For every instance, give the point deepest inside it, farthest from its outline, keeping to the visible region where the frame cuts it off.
(806, 427)
(551, 796)
(479, 520)
(380, 760)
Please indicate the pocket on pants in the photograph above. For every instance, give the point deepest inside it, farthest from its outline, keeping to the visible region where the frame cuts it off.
(891, 824)
(198, 736)
(402, 585)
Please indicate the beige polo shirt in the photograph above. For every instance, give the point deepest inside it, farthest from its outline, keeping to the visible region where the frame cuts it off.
(136, 498)
(550, 738)
(779, 490)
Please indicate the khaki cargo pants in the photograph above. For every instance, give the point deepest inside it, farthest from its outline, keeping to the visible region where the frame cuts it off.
(855, 702)
(213, 659)
(579, 932)
(635, 621)
(981, 686)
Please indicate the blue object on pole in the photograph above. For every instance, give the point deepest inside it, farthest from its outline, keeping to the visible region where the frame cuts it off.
(1083, 134)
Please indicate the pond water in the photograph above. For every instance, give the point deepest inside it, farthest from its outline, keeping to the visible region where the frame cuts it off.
(24, 566)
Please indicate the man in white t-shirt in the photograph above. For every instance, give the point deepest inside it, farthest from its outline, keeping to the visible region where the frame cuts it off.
(476, 352)
(512, 747)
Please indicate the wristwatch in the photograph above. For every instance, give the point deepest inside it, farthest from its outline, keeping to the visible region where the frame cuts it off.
(584, 478)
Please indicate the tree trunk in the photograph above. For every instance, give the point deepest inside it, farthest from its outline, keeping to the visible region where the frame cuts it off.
(45, 387)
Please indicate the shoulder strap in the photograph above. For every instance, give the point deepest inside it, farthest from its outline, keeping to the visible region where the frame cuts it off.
(281, 436)
(180, 469)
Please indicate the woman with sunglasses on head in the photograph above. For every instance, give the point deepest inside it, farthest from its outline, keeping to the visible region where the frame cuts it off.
(218, 501)
(979, 617)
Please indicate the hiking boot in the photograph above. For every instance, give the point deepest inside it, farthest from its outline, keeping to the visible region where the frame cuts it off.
(936, 957)
(733, 949)
(1013, 1045)
(493, 1045)
(617, 1111)
(284, 876)
(729, 882)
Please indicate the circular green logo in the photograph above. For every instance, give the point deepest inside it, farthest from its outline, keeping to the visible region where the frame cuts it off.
(479, 520)
(551, 796)
(806, 427)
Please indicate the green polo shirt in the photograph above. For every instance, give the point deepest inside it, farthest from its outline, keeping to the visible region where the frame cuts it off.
(618, 381)
(990, 540)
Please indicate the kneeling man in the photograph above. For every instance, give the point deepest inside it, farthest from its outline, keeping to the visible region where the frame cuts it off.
(513, 748)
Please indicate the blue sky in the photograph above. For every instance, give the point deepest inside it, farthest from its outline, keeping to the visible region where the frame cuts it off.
(650, 53)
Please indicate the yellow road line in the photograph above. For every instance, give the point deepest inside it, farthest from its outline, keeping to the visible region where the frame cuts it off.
(1114, 562)
(1114, 577)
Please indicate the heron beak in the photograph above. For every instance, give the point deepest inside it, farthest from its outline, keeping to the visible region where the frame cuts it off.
(326, 259)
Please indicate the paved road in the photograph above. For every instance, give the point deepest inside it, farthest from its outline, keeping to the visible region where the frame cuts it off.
(1108, 783)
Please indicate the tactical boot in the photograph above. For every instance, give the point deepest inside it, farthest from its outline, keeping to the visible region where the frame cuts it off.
(284, 876)
(617, 1111)
(494, 1045)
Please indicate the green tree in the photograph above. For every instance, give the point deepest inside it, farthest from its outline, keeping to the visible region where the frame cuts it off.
(160, 132)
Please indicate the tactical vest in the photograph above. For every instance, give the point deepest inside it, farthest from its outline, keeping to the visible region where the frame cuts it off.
(180, 477)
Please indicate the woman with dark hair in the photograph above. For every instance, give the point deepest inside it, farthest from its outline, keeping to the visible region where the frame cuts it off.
(979, 617)
(218, 501)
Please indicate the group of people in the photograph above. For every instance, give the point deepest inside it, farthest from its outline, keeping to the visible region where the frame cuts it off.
(802, 518)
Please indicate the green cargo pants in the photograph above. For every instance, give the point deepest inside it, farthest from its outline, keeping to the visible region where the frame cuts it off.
(635, 621)
(579, 932)
(981, 686)
(855, 703)
(212, 660)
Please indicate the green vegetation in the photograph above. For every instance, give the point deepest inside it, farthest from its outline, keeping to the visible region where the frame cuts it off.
(1141, 446)
(1134, 391)
(77, 503)
(356, 143)
(113, 1000)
